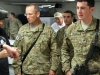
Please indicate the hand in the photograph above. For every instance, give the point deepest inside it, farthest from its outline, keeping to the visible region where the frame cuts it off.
(51, 72)
(3, 54)
(13, 53)
(18, 74)
(68, 73)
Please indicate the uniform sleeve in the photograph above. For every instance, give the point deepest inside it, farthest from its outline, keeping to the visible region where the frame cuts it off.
(19, 24)
(55, 53)
(66, 53)
(19, 44)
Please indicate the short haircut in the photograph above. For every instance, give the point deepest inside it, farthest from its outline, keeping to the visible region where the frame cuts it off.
(36, 6)
(90, 3)
(12, 13)
(69, 11)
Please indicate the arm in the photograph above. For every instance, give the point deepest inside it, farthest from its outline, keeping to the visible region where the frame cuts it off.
(3, 54)
(55, 53)
(19, 23)
(12, 52)
(66, 56)
(19, 44)
(8, 51)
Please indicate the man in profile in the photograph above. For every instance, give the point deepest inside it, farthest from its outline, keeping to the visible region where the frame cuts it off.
(68, 19)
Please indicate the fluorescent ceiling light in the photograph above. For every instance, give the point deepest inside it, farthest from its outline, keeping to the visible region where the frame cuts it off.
(69, 0)
(51, 6)
(46, 5)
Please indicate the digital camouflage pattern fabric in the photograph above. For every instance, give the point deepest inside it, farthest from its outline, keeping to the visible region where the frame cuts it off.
(43, 56)
(14, 26)
(81, 41)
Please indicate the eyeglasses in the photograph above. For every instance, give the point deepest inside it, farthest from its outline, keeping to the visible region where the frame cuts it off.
(28, 14)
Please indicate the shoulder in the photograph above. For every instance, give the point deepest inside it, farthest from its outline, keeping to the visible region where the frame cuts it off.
(48, 27)
(53, 24)
(72, 28)
(16, 19)
(24, 27)
(62, 29)
(74, 25)
(48, 30)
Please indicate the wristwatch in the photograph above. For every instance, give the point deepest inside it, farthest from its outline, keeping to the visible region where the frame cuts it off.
(1, 47)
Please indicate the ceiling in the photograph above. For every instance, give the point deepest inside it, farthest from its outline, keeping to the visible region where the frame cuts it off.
(24, 2)
(37, 1)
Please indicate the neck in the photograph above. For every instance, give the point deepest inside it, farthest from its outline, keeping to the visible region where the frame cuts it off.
(60, 23)
(87, 21)
(12, 18)
(37, 22)
(67, 26)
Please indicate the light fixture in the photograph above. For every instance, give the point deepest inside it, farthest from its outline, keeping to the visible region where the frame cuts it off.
(52, 6)
(69, 0)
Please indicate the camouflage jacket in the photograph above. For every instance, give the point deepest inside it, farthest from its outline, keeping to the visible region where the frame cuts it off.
(80, 40)
(60, 36)
(14, 26)
(43, 56)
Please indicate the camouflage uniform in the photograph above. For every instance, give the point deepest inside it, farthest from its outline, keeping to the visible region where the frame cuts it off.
(37, 61)
(60, 36)
(15, 25)
(81, 41)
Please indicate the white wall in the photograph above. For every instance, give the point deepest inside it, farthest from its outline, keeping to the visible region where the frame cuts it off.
(13, 8)
(72, 6)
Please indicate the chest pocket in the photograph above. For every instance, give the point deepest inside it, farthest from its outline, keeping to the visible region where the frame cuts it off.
(75, 37)
(28, 38)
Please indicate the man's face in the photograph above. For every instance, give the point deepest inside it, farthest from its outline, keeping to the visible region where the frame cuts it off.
(59, 20)
(1, 22)
(68, 19)
(10, 16)
(31, 14)
(83, 10)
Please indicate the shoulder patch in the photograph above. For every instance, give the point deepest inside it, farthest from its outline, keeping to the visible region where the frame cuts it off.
(18, 37)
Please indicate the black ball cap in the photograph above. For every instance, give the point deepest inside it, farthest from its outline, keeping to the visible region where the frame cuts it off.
(3, 14)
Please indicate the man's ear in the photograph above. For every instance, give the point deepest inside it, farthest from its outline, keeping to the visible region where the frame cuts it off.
(92, 9)
(38, 14)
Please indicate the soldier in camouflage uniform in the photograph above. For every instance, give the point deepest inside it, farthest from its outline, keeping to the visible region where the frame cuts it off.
(68, 19)
(14, 26)
(80, 35)
(43, 57)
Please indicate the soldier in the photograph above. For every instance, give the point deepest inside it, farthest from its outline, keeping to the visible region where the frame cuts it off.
(43, 56)
(59, 21)
(80, 35)
(14, 26)
(68, 19)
